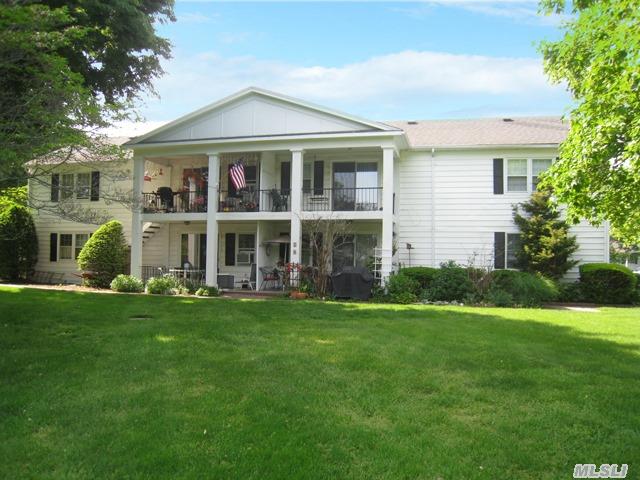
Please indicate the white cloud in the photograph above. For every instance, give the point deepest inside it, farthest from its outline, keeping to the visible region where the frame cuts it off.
(382, 86)
(131, 129)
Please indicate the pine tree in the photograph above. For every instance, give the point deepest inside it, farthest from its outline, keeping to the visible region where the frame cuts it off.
(545, 244)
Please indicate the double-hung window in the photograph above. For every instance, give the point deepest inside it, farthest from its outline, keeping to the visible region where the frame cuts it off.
(246, 249)
(538, 165)
(83, 185)
(523, 173)
(81, 239)
(513, 245)
(66, 246)
(67, 186)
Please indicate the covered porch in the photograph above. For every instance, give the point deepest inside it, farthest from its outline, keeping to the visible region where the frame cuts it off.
(250, 255)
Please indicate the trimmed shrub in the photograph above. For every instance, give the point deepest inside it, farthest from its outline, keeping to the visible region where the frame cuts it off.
(450, 283)
(607, 283)
(162, 286)
(127, 283)
(404, 298)
(570, 292)
(104, 255)
(400, 283)
(524, 288)
(207, 291)
(500, 298)
(18, 243)
(423, 275)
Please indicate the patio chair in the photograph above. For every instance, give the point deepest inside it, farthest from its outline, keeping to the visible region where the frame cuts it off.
(166, 198)
(251, 281)
(278, 201)
(269, 275)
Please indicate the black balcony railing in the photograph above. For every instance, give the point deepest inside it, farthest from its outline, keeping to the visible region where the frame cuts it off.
(167, 201)
(271, 200)
(342, 199)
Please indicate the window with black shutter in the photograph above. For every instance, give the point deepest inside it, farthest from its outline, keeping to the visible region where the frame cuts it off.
(285, 177)
(53, 247)
(499, 249)
(318, 177)
(95, 186)
(498, 176)
(55, 187)
(230, 249)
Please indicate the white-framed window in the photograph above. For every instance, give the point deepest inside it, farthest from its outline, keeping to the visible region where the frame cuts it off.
(66, 190)
(511, 248)
(65, 248)
(245, 255)
(81, 239)
(538, 165)
(522, 174)
(353, 250)
(83, 185)
(307, 176)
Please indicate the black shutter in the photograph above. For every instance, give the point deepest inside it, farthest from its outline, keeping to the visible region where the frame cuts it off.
(55, 187)
(53, 247)
(498, 176)
(318, 177)
(499, 249)
(95, 186)
(285, 177)
(230, 249)
(232, 189)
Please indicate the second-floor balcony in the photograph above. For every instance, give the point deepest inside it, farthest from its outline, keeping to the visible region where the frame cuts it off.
(249, 200)
(342, 199)
(164, 200)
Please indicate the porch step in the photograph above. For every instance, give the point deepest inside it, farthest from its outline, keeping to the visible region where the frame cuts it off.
(246, 293)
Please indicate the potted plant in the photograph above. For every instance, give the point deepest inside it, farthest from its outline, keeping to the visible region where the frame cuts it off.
(303, 291)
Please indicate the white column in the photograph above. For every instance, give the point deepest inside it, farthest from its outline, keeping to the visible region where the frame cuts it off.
(136, 217)
(211, 268)
(387, 211)
(296, 205)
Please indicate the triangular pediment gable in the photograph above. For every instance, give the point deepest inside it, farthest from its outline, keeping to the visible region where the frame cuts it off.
(258, 113)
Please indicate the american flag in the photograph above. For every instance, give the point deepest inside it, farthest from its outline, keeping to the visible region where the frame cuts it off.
(236, 174)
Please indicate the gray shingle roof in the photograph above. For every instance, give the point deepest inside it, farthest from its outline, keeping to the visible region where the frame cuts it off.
(485, 131)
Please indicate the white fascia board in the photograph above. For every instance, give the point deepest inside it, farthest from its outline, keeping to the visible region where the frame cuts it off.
(520, 146)
(261, 143)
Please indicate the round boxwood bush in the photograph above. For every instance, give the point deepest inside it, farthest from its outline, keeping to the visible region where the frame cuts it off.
(402, 288)
(127, 283)
(607, 283)
(104, 255)
(423, 275)
(450, 283)
(18, 244)
(523, 288)
(162, 286)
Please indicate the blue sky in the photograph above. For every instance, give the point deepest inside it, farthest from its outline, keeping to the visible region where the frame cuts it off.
(384, 61)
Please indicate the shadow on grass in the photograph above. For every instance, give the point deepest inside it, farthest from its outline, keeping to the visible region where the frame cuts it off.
(500, 388)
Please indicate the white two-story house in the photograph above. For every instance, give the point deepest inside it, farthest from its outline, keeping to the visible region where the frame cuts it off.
(414, 192)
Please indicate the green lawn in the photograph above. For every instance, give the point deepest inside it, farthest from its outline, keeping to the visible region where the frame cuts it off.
(220, 388)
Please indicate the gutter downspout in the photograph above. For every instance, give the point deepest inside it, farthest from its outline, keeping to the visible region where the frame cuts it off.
(433, 208)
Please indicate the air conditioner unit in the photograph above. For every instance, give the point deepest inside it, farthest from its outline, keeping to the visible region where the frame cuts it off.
(245, 258)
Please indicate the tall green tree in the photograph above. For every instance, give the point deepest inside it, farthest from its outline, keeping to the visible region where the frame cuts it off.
(18, 243)
(69, 67)
(598, 58)
(546, 246)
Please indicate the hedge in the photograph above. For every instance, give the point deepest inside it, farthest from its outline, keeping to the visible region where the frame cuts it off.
(511, 287)
(423, 275)
(607, 283)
